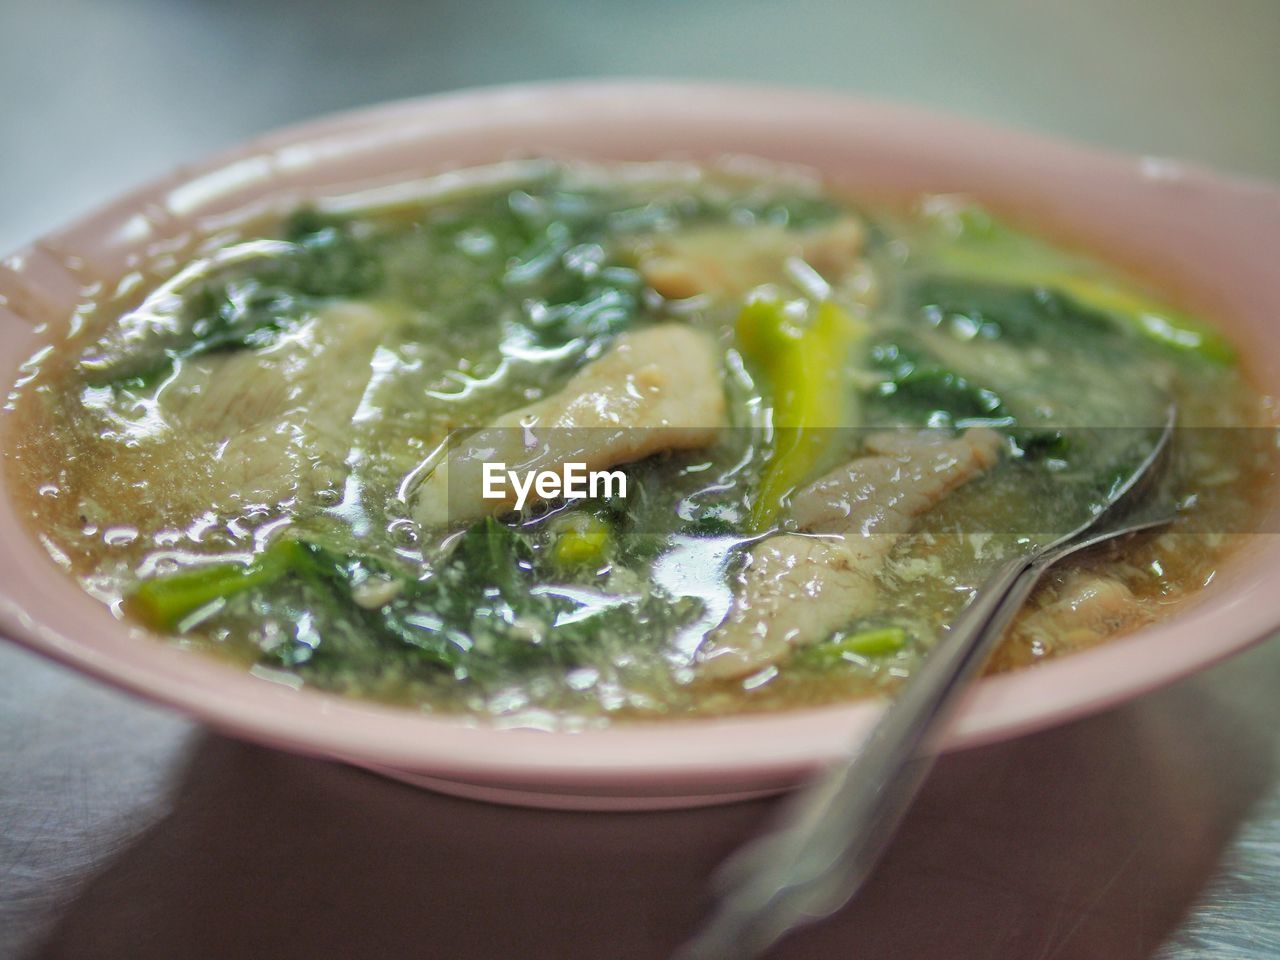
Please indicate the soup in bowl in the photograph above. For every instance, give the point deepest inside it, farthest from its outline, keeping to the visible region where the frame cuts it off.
(601, 468)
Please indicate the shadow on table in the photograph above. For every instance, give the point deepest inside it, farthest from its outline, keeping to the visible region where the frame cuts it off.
(1087, 841)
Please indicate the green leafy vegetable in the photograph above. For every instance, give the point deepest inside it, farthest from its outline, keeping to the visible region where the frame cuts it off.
(481, 613)
(917, 382)
(252, 305)
(710, 525)
(969, 243)
(980, 310)
(1011, 357)
(332, 260)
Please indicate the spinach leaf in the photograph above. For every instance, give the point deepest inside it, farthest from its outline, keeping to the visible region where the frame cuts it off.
(479, 617)
(332, 259)
(1020, 314)
(251, 306)
(927, 392)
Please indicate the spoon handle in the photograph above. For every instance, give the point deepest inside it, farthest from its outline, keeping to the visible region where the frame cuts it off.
(834, 831)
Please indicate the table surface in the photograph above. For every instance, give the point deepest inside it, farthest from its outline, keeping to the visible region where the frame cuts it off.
(125, 831)
(1152, 829)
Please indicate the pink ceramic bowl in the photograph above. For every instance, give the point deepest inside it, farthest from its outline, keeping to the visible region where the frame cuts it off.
(1212, 239)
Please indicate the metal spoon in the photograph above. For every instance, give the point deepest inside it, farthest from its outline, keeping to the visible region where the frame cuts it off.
(831, 834)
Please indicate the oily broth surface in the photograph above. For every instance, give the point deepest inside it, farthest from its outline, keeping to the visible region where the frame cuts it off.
(457, 344)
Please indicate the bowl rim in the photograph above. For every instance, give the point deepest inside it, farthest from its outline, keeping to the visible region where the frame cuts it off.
(46, 611)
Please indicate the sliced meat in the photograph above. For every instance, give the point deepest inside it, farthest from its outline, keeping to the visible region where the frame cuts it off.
(798, 589)
(267, 425)
(1087, 609)
(655, 389)
(730, 261)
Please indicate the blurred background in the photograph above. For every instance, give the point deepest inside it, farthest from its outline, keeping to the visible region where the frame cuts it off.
(102, 94)
(126, 831)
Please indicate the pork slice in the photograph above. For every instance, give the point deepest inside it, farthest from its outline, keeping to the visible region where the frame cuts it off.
(269, 425)
(1088, 608)
(729, 261)
(655, 389)
(799, 588)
